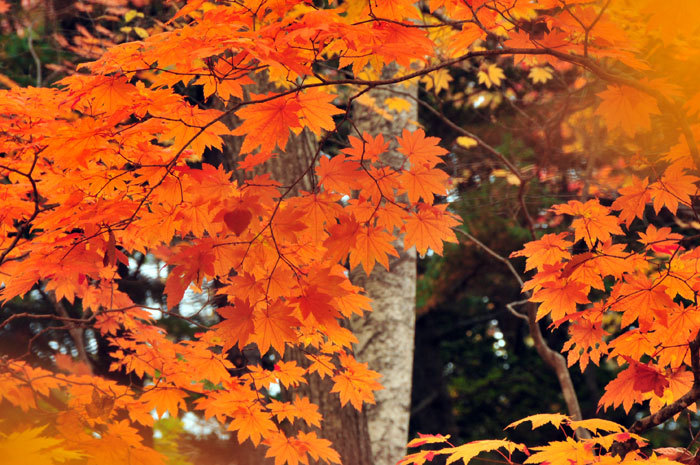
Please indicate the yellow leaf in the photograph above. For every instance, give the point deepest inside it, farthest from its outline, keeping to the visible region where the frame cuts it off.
(568, 451)
(468, 451)
(540, 74)
(131, 14)
(466, 142)
(597, 424)
(28, 446)
(555, 419)
(398, 104)
(438, 80)
(492, 75)
(141, 32)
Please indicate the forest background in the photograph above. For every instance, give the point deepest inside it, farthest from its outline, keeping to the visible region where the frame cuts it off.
(538, 118)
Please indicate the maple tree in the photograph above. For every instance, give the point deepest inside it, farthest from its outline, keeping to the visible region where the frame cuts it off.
(614, 280)
(109, 163)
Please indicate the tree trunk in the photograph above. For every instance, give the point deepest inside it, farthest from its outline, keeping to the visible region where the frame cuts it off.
(345, 427)
(387, 334)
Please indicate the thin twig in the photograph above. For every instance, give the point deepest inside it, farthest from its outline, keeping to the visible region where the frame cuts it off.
(37, 61)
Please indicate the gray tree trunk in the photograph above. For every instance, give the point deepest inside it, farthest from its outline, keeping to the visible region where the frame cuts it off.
(386, 335)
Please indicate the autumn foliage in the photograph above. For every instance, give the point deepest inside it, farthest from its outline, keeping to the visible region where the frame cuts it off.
(108, 163)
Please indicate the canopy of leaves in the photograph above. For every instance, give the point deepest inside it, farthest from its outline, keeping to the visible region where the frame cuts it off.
(110, 163)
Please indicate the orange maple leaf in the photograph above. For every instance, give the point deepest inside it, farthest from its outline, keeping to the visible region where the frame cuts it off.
(627, 108)
(274, 327)
(315, 110)
(356, 383)
(632, 201)
(592, 221)
(548, 250)
(266, 124)
(422, 182)
(559, 298)
(237, 326)
(420, 150)
(338, 174)
(252, 422)
(429, 227)
(639, 298)
(372, 244)
(165, 399)
(674, 187)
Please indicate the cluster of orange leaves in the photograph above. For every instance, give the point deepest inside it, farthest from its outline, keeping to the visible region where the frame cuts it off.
(105, 165)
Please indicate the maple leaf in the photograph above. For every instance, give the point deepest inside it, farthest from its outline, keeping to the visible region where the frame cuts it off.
(255, 159)
(274, 327)
(621, 391)
(338, 174)
(438, 81)
(372, 244)
(559, 298)
(594, 224)
(318, 448)
(548, 250)
(252, 422)
(468, 451)
(423, 439)
(627, 108)
(307, 411)
(237, 326)
(632, 201)
(165, 399)
(321, 364)
(356, 383)
(30, 446)
(420, 150)
(423, 182)
(586, 342)
(367, 148)
(562, 452)
(224, 80)
(596, 424)
(540, 74)
(285, 450)
(647, 378)
(659, 237)
(674, 187)
(195, 129)
(465, 38)
(541, 419)
(429, 227)
(238, 220)
(342, 238)
(315, 110)
(491, 75)
(266, 124)
(289, 374)
(640, 298)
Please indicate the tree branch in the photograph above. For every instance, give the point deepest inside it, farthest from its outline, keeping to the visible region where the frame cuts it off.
(551, 357)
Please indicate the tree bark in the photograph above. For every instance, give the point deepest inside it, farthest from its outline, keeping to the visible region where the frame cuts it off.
(345, 427)
(386, 335)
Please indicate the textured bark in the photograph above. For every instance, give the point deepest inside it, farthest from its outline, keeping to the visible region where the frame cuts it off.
(387, 334)
(345, 427)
